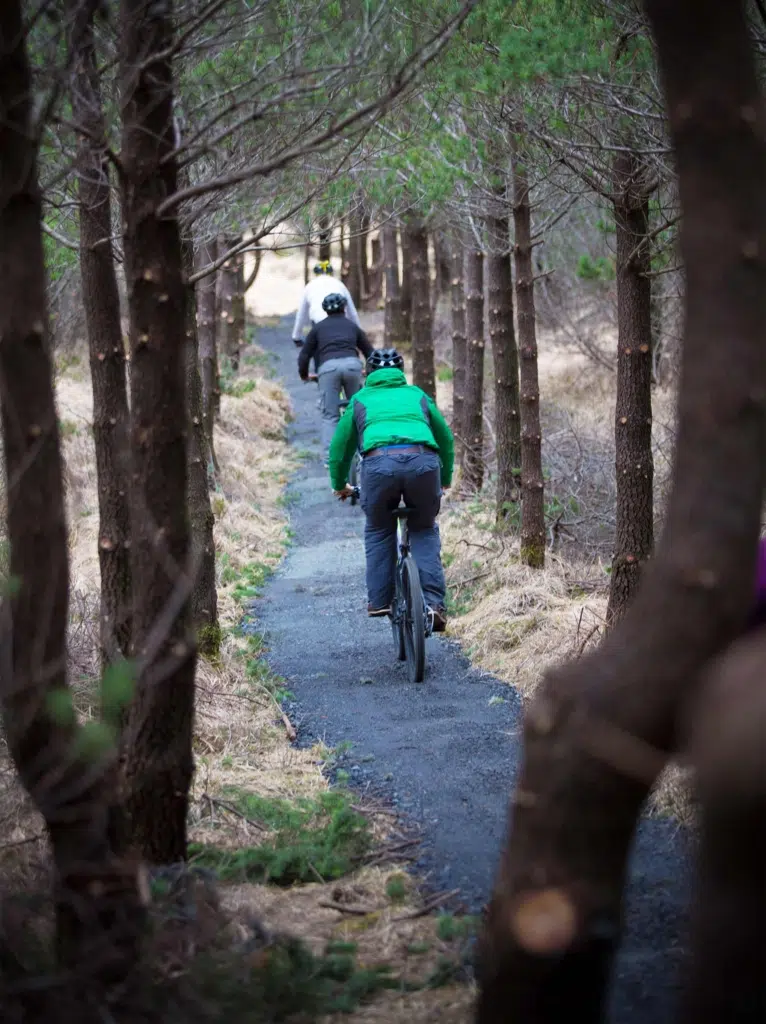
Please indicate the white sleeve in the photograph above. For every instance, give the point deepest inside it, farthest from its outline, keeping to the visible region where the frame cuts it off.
(351, 312)
(301, 318)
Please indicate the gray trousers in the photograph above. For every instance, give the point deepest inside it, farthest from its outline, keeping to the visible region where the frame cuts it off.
(386, 478)
(336, 375)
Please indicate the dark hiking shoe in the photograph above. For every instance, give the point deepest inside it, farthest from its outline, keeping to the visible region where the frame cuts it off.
(440, 619)
(377, 613)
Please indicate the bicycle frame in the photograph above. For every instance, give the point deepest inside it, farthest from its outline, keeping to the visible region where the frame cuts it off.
(403, 538)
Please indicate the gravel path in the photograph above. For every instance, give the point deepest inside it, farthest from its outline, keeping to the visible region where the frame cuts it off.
(445, 752)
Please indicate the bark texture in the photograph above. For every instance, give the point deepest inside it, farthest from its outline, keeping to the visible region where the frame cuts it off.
(208, 346)
(105, 346)
(634, 470)
(355, 282)
(204, 596)
(459, 349)
(423, 372)
(159, 761)
(406, 289)
(376, 273)
(230, 316)
(325, 237)
(505, 357)
(473, 400)
(532, 483)
(601, 729)
(393, 330)
(97, 906)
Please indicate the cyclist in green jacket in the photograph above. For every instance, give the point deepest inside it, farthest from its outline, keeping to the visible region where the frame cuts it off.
(407, 452)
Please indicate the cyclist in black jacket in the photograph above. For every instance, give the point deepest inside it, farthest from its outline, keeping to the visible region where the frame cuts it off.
(334, 344)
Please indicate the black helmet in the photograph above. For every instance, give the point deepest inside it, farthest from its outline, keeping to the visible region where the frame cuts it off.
(334, 303)
(384, 359)
(323, 267)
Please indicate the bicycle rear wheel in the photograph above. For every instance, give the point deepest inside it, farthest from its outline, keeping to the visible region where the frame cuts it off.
(414, 621)
(397, 616)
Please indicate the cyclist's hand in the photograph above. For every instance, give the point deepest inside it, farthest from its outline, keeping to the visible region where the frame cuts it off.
(347, 492)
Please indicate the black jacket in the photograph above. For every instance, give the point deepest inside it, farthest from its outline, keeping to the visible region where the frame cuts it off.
(335, 337)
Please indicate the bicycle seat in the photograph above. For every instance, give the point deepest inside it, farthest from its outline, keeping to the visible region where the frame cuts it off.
(402, 512)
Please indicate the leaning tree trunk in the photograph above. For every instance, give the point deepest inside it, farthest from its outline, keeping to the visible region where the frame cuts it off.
(207, 327)
(473, 402)
(442, 262)
(105, 347)
(159, 762)
(423, 373)
(532, 483)
(505, 358)
(634, 534)
(228, 312)
(325, 239)
(600, 729)
(204, 597)
(393, 329)
(405, 292)
(459, 350)
(97, 906)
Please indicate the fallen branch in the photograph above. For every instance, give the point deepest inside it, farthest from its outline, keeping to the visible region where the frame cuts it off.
(428, 906)
(349, 908)
(215, 801)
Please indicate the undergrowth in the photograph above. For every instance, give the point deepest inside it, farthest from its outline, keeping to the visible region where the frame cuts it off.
(311, 839)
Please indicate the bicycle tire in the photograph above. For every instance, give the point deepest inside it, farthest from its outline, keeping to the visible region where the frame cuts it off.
(414, 621)
(397, 617)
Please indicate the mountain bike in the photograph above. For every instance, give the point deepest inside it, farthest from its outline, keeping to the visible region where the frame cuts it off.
(411, 619)
(355, 469)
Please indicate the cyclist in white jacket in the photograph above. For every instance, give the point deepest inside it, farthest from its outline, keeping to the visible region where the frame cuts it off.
(310, 311)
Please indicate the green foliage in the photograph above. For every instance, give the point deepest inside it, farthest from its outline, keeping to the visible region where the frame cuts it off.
(59, 706)
(599, 269)
(117, 689)
(312, 838)
(94, 740)
(445, 373)
(450, 928)
(252, 578)
(397, 887)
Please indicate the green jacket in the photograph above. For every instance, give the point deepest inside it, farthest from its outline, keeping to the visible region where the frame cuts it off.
(389, 411)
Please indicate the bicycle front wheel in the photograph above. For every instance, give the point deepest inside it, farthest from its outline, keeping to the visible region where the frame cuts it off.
(414, 621)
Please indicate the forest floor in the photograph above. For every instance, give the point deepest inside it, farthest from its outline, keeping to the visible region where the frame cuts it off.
(442, 754)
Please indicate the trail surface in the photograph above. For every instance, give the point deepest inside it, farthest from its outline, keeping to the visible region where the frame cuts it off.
(443, 753)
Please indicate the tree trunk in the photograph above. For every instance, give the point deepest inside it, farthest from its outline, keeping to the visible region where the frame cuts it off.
(238, 311)
(159, 762)
(423, 373)
(101, 303)
(228, 310)
(505, 358)
(364, 266)
(634, 533)
(459, 350)
(393, 330)
(442, 263)
(98, 913)
(532, 483)
(406, 287)
(376, 274)
(473, 401)
(355, 283)
(307, 264)
(600, 729)
(207, 324)
(204, 597)
(325, 236)
(344, 264)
